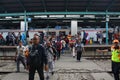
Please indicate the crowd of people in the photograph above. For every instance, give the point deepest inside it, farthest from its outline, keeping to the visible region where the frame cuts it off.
(11, 39)
(101, 36)
(41, 52)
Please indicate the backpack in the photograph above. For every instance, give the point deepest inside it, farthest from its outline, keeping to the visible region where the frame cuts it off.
(26, 53)
(79, 48)
(58, 46)
(51, 51)
(34, 56)
(54, 50)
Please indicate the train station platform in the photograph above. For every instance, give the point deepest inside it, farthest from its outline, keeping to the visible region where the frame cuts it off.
(67, 68)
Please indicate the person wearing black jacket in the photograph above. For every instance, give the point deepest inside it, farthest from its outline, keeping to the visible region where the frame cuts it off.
(37, 59)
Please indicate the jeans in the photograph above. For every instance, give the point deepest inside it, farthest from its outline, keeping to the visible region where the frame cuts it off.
(50, 65)
(115, 69)
(79, 55)
(66, 46)
(63, 50)
(32, 71)
(59, 53)
(18, 59)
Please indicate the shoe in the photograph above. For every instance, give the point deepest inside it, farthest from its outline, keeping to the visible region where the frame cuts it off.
(17, 71)
(52, 73)
(78, 61)
(25, 68)
(47, 78)
(73, 56)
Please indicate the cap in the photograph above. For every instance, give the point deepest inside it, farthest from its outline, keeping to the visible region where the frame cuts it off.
(115, 41)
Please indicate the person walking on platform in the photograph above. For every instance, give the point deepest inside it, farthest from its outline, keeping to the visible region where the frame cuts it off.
(20, 56)
(79, 49)
(110, 36)
(59, 47)
(100, 37)
(50, 55)
(84, 37)
(115, 49)
(73, 51)
(63, 46)
(37, 59)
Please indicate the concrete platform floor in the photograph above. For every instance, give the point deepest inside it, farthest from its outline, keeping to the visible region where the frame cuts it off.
(67, 68)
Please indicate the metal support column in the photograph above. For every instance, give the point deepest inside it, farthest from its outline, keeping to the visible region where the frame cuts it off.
(107, 21)
(25, 25)
(25, 20)
(74, 26)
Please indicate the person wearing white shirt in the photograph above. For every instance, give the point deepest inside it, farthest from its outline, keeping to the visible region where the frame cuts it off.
(20, 56)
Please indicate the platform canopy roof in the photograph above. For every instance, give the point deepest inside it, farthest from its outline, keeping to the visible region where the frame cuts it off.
(16, 6)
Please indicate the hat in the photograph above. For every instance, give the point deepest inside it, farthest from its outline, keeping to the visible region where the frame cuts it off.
(115, 41)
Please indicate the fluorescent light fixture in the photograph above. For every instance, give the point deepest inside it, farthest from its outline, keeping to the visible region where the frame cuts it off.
(16, 22)
(2, 19)
(73, 16)
(66, 21)
(114, 18)
(8, 17)
(89, 16)
(41, 16)
(88, 26)
(80, 21)
(91, 21)
(103, 21)
(21, 17)
(57, 16)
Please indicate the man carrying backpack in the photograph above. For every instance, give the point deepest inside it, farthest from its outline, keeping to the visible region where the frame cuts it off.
(79, 49)
(37, 59)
